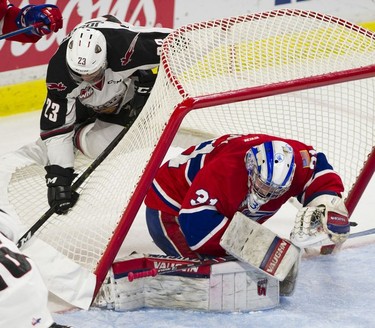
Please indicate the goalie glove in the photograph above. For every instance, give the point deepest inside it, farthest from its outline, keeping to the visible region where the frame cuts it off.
(47, 14)
(324, 219)
(60, 194)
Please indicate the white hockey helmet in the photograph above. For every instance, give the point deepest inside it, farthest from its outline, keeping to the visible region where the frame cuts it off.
(86, 55)
(271, 169)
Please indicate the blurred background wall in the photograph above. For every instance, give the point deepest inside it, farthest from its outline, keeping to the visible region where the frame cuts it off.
(23, 66)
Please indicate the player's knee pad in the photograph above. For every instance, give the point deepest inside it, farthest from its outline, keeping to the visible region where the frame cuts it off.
(80, 138)
(93, 138)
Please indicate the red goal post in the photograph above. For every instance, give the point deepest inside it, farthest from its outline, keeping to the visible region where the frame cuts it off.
(291, 73)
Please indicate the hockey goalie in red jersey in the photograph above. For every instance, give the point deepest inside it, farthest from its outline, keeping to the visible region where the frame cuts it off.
(13, 18)
(195, 195)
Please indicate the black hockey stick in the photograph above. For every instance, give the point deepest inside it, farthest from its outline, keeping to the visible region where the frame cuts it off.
(20, 31)
(84, 175)
(179, 267)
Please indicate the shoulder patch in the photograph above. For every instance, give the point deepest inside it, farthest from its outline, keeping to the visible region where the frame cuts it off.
(56, 86)
(305, 156)
(129, 53)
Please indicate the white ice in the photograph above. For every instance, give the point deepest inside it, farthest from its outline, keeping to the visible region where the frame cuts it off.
(332, 291)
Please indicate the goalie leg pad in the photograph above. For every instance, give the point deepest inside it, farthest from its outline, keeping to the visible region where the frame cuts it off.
(287, 286)
(238, 286)
(228, 286)
(254, 244)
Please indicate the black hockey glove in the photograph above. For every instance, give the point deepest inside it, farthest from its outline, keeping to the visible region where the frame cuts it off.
(60, 194)
(133, 107)
(141, 93)
(145, 80)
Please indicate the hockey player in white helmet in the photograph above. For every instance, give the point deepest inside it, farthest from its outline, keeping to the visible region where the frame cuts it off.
(97, 83)
(195, 195)
(86, 55)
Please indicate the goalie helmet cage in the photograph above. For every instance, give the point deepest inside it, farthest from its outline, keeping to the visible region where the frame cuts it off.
(290, 73)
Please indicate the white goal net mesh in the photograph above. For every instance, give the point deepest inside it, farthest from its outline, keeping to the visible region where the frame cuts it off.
(252, 74)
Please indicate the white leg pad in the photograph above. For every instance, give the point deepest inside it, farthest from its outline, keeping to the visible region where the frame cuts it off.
(237, 286)
(228, 286)
(258, 246)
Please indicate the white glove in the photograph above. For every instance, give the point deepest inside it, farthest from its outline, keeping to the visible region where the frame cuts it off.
(324, 219)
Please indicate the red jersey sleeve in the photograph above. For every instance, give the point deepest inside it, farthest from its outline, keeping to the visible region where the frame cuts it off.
(9, 14)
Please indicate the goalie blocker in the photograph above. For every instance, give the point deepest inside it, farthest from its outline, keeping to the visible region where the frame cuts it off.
(253, 243)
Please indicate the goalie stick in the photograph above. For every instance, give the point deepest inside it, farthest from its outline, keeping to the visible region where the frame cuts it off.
(34, 228)
(362, 233)
(328, 249)
(180, 267)
(20, 31)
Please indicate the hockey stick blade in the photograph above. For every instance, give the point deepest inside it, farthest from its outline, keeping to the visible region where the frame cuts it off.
(155, 271)
(83, 176)
(20, 31)
(362, 233)
(328, 249)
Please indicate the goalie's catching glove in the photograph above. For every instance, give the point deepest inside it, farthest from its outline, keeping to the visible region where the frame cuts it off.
(324, 218)
(60, 194)
(47, 14)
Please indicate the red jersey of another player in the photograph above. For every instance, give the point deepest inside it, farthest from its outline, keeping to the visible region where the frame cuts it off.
(205, 185)
(13, 18)
(8, 15)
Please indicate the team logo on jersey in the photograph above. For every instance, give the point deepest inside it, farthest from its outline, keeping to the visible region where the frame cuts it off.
(305, 156)
(56, 86)
(129, 53)
(86, 92)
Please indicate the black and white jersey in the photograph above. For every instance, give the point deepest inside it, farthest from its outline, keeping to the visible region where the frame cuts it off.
(130, 50)
(20, 281)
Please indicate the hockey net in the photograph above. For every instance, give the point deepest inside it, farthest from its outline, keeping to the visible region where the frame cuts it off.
(289, 73)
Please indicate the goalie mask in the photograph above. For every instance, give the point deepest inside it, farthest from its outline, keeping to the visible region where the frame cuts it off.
(86, 55)
(271, 169)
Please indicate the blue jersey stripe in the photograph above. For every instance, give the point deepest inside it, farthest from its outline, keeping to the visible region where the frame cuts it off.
(165, 200)
(322, 163)
(195, 163)
(197, 225)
